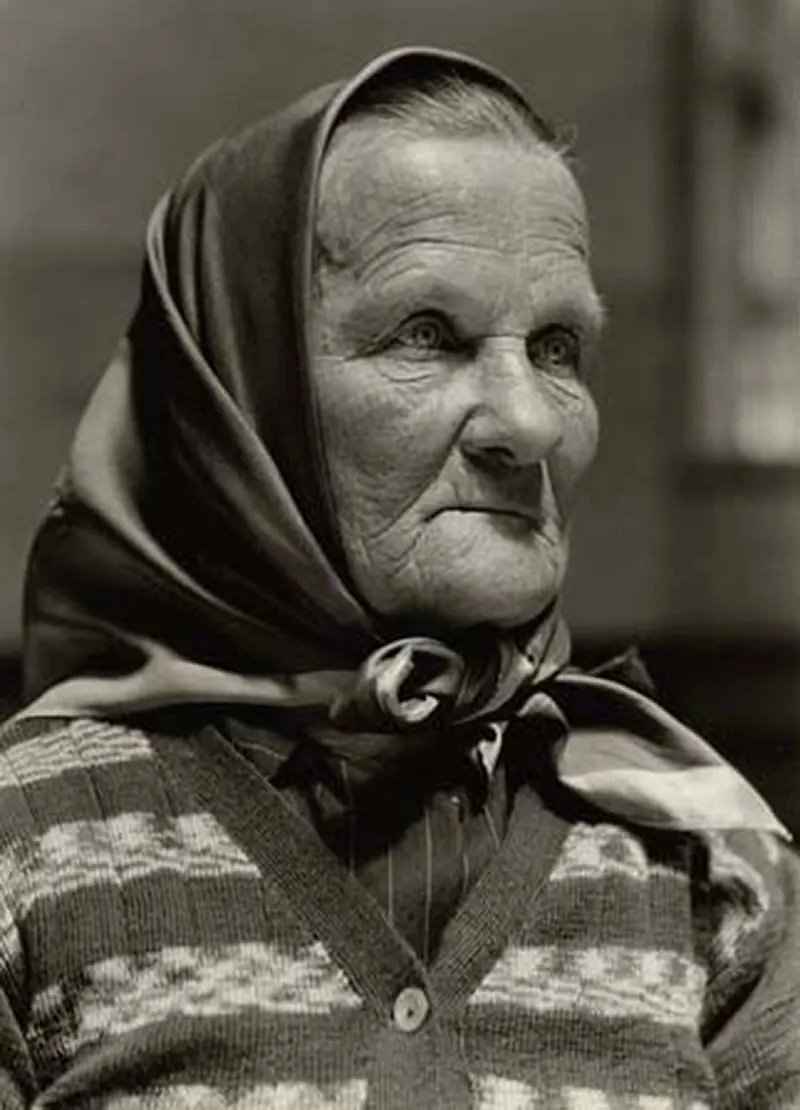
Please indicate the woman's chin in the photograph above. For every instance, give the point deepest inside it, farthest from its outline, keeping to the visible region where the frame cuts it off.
(510, 610)
(507, 598)
(505, 587)
(458, 580)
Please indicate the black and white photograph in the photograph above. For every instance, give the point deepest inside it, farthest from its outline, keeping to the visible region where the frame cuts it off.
(400, 555)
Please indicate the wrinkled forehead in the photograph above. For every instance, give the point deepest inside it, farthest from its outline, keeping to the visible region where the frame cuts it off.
(380, 191)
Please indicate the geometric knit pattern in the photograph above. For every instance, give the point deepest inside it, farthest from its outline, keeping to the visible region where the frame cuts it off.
(172, 934)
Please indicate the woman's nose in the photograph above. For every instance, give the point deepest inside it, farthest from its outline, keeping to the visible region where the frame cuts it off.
(516, 422)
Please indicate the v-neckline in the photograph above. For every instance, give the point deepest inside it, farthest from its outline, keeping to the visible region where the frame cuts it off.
(342, 914)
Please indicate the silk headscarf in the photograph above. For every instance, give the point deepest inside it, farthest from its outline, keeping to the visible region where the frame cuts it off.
(191, 554)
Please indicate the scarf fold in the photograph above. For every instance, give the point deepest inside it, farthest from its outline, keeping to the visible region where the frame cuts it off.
(640, 763)
(619, 749)
(191, 554)
(419, 681)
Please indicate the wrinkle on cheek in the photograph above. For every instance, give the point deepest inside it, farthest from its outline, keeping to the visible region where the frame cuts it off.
(418, 566)
(381, 504)
(401, 572)
(369, 519)
(568, 394)
(376, 520)
(366, 435)
(569, 464)
(417, 379)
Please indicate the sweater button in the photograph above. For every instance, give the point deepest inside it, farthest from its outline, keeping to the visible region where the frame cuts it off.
(411, 1007)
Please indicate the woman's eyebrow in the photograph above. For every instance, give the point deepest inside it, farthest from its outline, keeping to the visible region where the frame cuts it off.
(419, 284)
(417, 288)
(562, 301)
(588, 314)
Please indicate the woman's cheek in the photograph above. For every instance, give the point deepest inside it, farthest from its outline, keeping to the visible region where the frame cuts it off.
(382, 430)
(577, 449)
(587, 430)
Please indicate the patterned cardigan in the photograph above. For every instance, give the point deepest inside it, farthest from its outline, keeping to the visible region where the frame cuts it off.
(172, 934)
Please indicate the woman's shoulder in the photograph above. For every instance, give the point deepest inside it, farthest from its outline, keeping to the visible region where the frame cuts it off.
(49, 767)
(746, 891)
(86, 804)
(40, 749)
(739, 885)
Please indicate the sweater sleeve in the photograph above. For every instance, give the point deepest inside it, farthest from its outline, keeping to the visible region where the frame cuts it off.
(18, 1085)
(751, 915)
(16, 1078)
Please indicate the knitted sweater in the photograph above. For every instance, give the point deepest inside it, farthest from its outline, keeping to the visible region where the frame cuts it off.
(172, 934)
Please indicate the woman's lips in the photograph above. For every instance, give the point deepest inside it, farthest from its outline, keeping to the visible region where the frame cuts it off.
(530, 516)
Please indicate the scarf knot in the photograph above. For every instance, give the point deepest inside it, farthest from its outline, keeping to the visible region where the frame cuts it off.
(417, 683)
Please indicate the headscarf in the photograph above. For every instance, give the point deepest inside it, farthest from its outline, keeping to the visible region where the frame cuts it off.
(191, 554)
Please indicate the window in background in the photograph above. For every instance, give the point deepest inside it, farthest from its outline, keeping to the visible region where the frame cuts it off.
(744, 401)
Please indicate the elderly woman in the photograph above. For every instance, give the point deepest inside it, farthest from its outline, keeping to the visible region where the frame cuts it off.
(306, 808)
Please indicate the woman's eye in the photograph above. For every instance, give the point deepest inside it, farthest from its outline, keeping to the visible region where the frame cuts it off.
(558, 350)
(423, 334)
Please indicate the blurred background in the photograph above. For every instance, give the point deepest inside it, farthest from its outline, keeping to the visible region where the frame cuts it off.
(686, 116)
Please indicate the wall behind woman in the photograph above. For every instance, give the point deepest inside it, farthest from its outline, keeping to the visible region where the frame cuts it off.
(103, 102)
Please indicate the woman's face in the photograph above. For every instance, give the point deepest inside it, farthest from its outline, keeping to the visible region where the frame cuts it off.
(453, 329)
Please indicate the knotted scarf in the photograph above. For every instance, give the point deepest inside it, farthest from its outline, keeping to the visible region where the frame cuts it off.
(191, 554)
